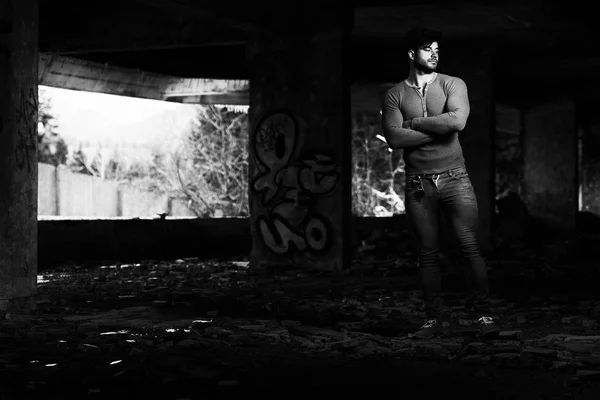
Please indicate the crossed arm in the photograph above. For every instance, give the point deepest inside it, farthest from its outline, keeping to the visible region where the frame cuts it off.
(396, 131)
(422, 130)
(457, 104)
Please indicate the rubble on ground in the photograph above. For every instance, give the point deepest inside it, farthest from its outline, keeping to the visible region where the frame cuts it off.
(110, 323)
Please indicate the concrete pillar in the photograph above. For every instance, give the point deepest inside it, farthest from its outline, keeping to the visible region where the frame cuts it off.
(591, 169)
(18, 148)
(550, 185)
(300, 174)
(477, 139)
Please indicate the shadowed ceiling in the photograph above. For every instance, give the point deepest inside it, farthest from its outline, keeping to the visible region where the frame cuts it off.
(197, 38)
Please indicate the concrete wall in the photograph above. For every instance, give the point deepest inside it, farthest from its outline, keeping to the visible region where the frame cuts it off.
(82, 195)
(47, 204)
(18, 137)
(550, 164)
(82, 241)
(62, 192)
(64, 241)
(137, 203)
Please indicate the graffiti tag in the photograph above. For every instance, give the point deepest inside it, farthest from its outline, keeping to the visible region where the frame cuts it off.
(26, 121)
(288, 186)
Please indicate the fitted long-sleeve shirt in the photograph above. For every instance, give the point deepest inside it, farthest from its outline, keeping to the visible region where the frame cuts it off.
(426, 124)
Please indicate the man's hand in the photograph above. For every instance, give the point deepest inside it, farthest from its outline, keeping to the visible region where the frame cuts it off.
(395, 128)
(408, 125)
(455, 119)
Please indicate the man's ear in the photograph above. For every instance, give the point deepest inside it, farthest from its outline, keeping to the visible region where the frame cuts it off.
(411, 55)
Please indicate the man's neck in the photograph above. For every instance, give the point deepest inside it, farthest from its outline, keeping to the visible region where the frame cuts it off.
(419, 78)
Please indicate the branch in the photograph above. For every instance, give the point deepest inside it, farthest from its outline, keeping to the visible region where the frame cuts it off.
(190, 195)
(235, 121)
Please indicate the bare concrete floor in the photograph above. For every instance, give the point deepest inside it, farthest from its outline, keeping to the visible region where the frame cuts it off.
(191, 329)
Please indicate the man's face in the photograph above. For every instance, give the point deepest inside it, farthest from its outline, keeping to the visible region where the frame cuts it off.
(426, 58)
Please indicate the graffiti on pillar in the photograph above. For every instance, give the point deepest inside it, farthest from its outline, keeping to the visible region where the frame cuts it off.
(26, 120)
(288, 187)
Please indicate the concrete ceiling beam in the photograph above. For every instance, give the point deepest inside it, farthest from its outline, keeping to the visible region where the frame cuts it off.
(75, 74)
(234, 99)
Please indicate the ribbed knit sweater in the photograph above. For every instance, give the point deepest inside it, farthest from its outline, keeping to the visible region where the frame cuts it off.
(426, 125)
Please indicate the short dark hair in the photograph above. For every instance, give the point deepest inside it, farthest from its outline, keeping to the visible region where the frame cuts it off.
(418, 37)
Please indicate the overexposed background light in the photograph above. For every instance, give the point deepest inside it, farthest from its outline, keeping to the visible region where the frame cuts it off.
(111, 119)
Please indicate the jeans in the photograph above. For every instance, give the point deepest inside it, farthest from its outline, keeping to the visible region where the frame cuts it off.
(450, 192)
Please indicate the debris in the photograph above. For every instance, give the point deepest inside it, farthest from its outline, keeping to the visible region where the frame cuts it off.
(588, 374)
(538, 351)
(345, 344)
(566, 364)
(589, 339)
(370, 349)
(90, 348)
(578, 347)
(188, 343)
(305, 330)
(506, 356)
(211, 320)
(509, 335)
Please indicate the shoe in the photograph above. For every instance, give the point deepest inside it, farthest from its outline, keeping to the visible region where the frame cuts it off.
(430, 330)
(487, 327)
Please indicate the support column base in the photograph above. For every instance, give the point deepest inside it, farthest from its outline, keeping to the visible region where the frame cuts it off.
(17, 305)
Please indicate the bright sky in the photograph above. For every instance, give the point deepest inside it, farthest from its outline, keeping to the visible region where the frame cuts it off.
(98, 116)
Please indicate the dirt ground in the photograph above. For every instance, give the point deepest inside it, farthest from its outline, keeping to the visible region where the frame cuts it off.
(203, 329)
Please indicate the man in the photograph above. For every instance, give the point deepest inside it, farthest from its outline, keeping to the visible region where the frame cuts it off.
(423, 115)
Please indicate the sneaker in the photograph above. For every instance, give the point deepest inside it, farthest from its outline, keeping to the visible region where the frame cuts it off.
(430, 330)
(487, 327)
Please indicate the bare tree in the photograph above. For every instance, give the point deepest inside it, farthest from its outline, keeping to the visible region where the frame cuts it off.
(210, 169)
(378, 173)
(51, 147)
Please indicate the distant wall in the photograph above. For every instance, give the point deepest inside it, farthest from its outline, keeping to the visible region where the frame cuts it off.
(84, 195)
(136, 203)
(47, 190)
(64, 193)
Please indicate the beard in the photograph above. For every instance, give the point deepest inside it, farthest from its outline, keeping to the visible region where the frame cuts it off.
(424, 67)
